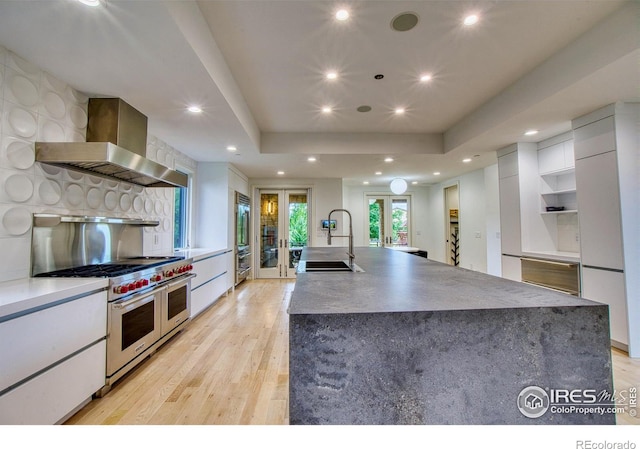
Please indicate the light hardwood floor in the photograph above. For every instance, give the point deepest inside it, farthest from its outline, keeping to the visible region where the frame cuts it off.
(230, 366)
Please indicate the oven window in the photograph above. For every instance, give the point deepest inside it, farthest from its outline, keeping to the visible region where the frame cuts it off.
(137, 323)
(177, 301)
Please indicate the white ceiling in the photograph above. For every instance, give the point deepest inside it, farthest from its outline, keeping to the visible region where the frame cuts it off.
(257, 69)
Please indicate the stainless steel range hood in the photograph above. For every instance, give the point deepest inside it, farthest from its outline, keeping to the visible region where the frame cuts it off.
(115, 148)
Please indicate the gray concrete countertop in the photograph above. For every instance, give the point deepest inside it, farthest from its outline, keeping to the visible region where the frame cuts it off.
(395, 281)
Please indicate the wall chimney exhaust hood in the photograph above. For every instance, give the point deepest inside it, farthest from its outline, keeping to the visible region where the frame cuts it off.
(116, 148)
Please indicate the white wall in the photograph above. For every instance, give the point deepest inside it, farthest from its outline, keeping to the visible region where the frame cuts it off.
(214, 214)
(479, 220)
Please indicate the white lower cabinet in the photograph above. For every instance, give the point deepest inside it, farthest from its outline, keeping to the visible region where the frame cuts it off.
(511, 268)
(52, 359)
(52, 396)
(211, 281)
(607, 287)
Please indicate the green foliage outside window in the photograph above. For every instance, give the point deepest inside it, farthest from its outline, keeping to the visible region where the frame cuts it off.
(298, 224)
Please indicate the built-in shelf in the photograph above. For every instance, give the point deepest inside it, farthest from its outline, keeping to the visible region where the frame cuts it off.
(559, 192)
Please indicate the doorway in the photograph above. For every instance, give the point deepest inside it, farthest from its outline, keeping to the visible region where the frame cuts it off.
(283, 231)
(388, 220)
(452, 226)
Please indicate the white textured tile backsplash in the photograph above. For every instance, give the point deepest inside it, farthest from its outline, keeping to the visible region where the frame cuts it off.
(35, 106)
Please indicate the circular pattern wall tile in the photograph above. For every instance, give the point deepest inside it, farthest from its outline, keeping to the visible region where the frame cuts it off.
(22, 122)
(54, 105)
(50, 192)
(19, 188)
(52, 131)
(110, 200)
(138, 204)
(51, 170)
(168, 193)
(167, 208)
(74, 195)
(78, 116)
(54, 83)
(17, 221)
(75, 136)
(125, 202)
(148, 205)
(111, 183)
(137, 188)
(95, 180)
(24, 90)
(94, 198)
(158, 207)
(75, 175)
(21, 154)
(166, 224)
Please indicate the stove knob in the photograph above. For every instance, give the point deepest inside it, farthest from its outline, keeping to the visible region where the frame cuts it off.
(131, 287)
(139, 284)
(145, 282)
(169, 273)
(190, 267)
(120, 289)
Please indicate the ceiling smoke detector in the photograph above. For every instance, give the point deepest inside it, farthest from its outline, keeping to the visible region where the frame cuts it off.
(404, 21)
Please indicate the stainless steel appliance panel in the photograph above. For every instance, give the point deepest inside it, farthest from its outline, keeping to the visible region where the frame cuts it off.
(176, 304)
(134, 325)
(243, 237)
(562, 276)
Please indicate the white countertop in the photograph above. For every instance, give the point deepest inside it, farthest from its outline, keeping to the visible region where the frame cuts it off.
(560, 256)
(200, 253)
(23, 294)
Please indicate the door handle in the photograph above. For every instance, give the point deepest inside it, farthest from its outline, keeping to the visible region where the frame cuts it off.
(280, 243)
(286, 243)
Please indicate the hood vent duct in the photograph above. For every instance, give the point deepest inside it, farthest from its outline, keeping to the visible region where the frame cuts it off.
(116, 147)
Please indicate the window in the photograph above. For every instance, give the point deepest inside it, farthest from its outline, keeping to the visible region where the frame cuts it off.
(181, 217)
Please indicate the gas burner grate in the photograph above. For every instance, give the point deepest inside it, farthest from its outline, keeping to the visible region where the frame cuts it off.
(98, 270)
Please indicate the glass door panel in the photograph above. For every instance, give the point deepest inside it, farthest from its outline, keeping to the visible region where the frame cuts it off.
(284, 231)
(269, 233)
(298, 221)
(389, 219)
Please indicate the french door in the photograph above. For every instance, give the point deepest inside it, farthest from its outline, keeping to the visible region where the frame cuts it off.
(283, 231)
(388, 220)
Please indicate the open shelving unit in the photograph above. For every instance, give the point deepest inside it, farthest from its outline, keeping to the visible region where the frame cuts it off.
(558, 190)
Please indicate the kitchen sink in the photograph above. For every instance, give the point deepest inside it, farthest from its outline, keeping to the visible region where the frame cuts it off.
(307, 266)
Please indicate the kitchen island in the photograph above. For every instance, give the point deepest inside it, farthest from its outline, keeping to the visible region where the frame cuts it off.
(414, 341)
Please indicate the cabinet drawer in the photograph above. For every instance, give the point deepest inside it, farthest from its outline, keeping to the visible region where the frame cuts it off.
(595, 138)
(54, 394)
(207, 269)
(32, 342)
(564, 277)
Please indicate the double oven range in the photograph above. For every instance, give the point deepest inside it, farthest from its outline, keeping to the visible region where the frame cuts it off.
(148, 298)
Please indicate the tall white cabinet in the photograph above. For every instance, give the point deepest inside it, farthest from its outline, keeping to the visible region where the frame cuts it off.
(606, 144)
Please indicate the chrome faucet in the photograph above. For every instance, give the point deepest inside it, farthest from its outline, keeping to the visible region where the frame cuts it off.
(350, 236)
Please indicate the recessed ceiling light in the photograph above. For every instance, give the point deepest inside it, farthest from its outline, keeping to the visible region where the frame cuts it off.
(194, 109)
(280, 173)
(378, 173)
(414, 182)
(311, 159)
(399, 111)
(436, 173)
(388, 159)
(363, 108)
(326, 109)
(466, 160)
(332, 75)
(425, 78)
(90, 2)
(531, 132)
(471, 19)
(342, 14)
(231, 148)
(365, 182)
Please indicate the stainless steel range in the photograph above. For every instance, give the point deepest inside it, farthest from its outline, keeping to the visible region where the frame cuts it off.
(149, 298)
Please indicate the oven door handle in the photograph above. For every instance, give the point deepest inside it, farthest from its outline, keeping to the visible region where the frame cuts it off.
(127, 303)
(181, 280)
